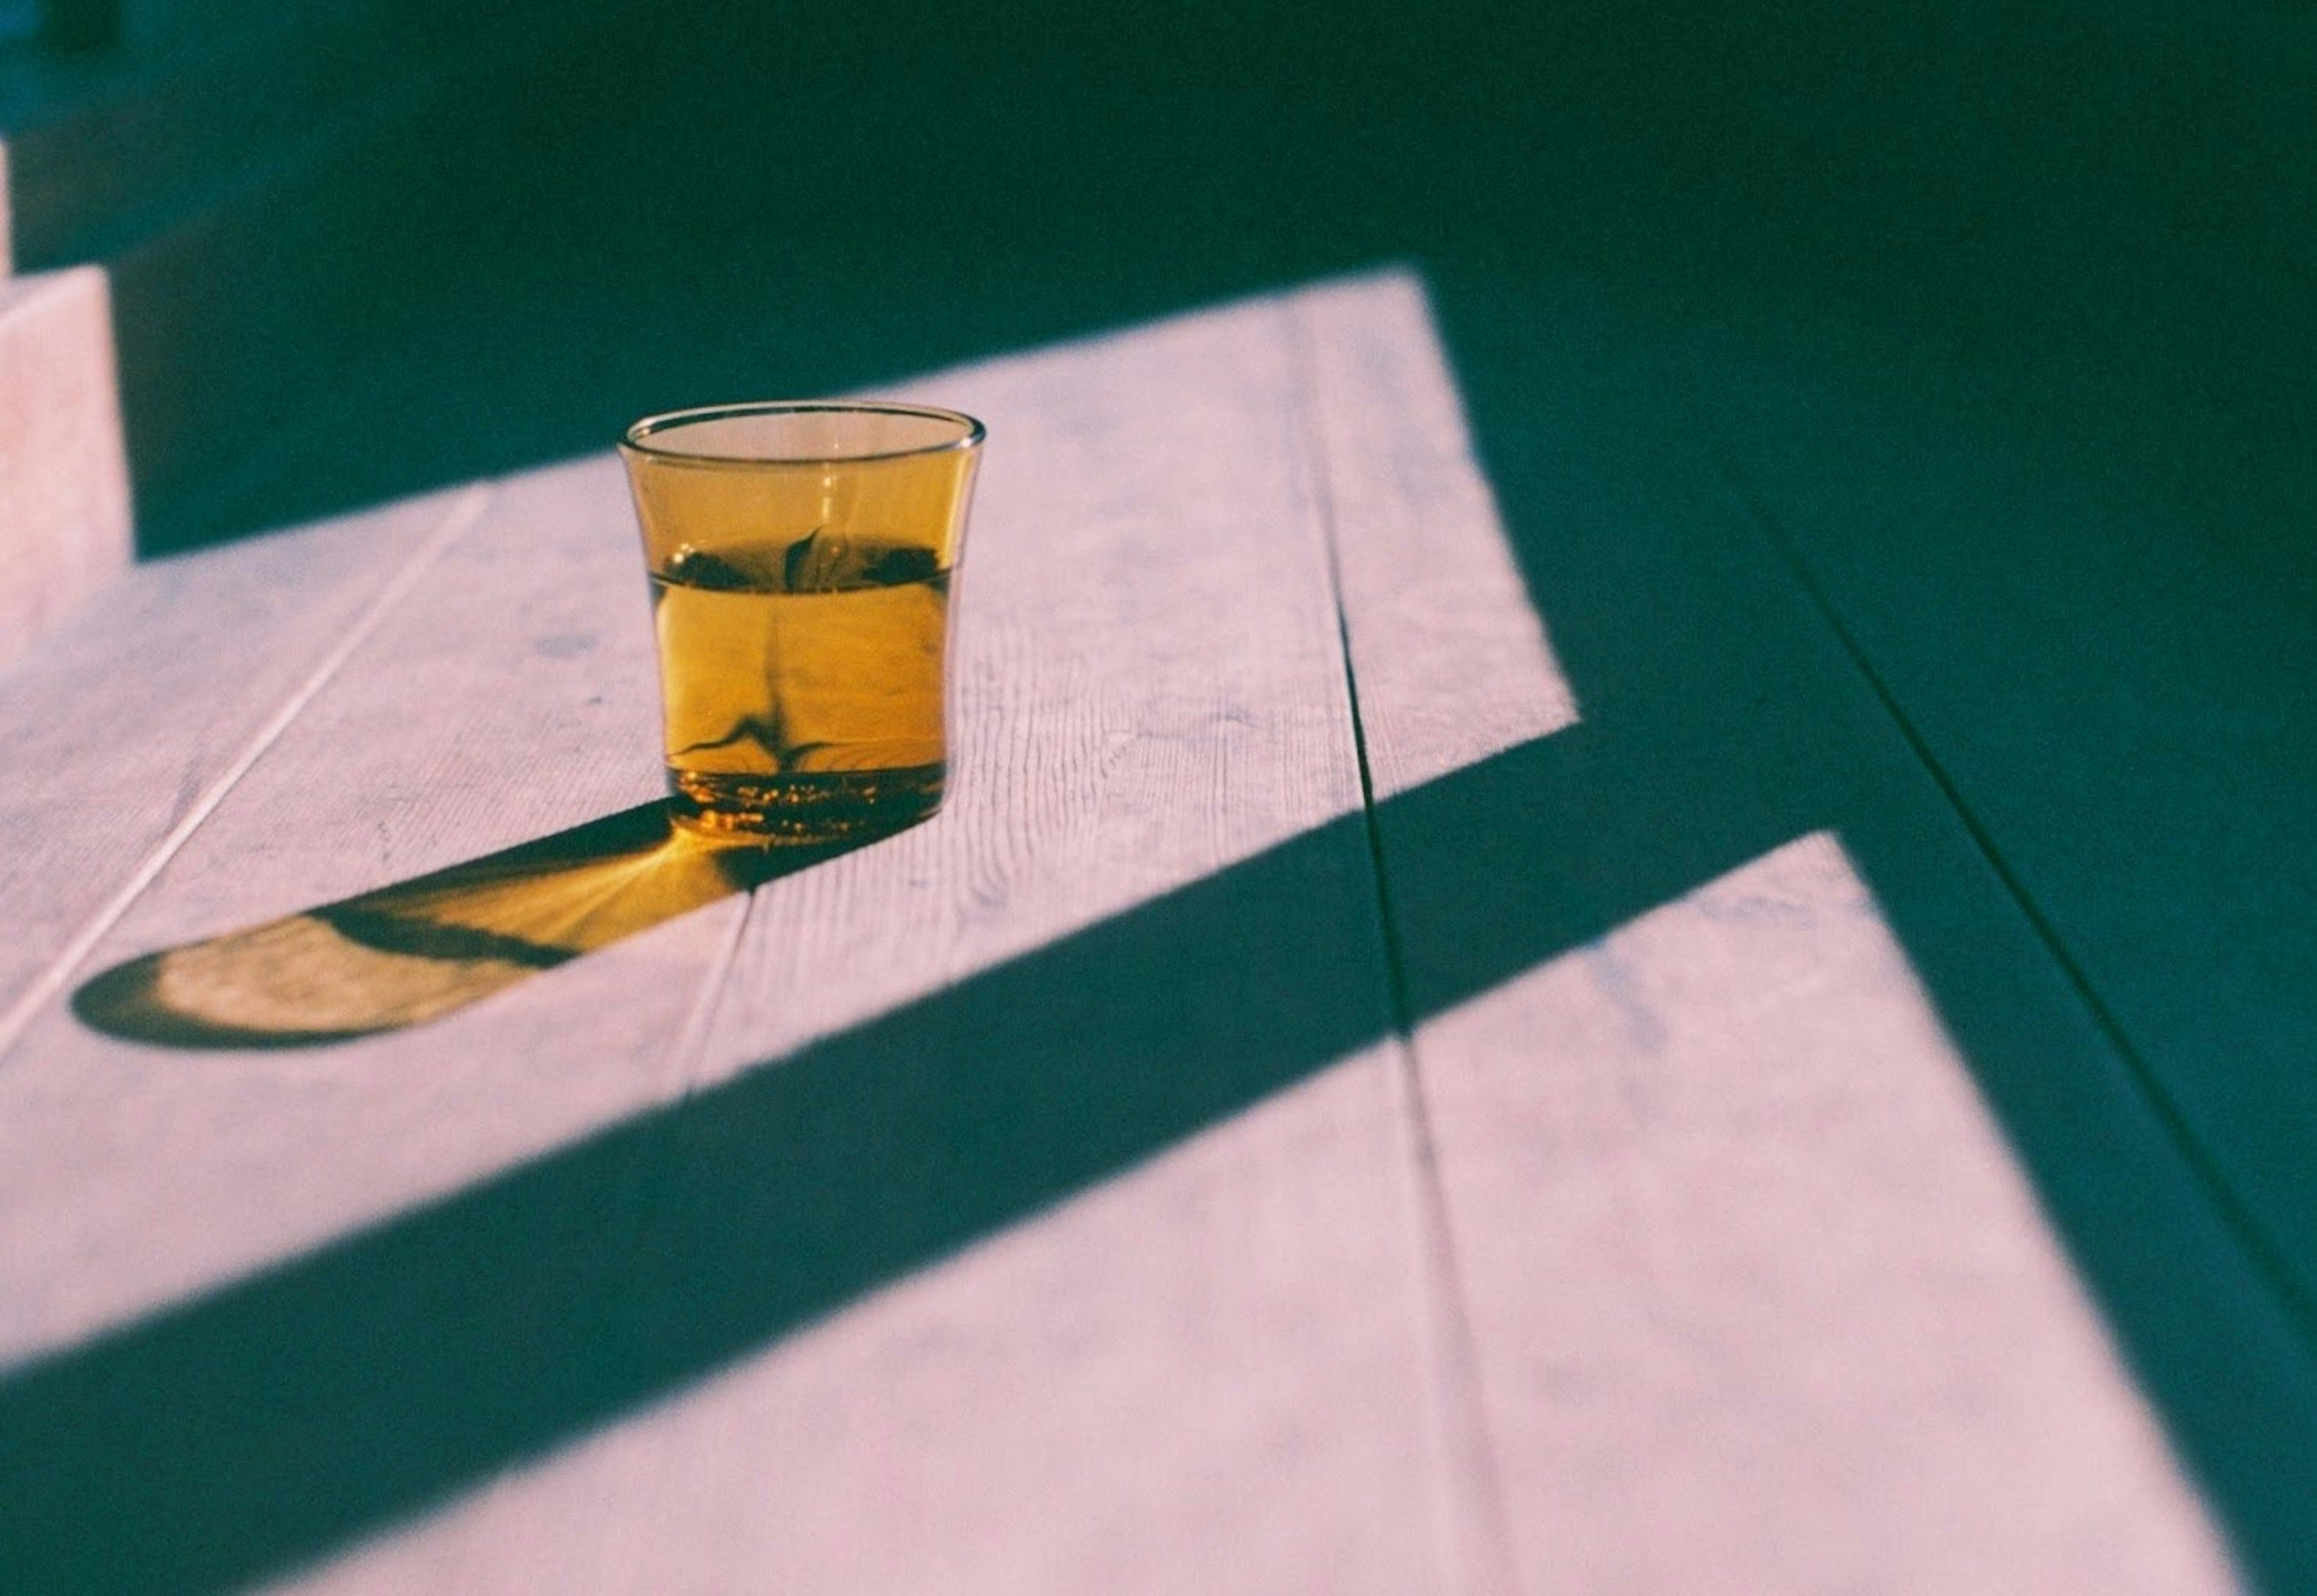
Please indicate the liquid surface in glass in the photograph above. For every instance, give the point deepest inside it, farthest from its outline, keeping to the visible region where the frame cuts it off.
(802, 684)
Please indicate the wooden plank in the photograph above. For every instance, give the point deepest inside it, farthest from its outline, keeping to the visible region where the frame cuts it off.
(2095, 619)
(1759, 1296)
(1452, 662)
(1186, 649)
(126, 728)
(1196, 1376)
(1778, 1310)
(1205, 1373)
(1149, 676)
(509, 692)
(1206, 1370)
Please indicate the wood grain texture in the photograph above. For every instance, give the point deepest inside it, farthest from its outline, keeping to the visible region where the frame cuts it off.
(1208, 1372)
(470, 718)
(1118, 1009)
(1197, 1376)
(1450, 656)
(1761, 1299)
(125, 726)
(1149, 677)
(1042, 1198)
(1758, 1295)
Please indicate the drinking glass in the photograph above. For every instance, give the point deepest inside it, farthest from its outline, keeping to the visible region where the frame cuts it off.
(801, 556)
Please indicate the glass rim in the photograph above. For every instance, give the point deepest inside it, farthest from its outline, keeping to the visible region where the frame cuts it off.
(636, 440)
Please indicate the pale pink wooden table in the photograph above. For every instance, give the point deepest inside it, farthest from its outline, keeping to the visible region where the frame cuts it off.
(1098, 1189)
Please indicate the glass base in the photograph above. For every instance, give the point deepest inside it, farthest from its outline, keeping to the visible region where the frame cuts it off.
(809, 807)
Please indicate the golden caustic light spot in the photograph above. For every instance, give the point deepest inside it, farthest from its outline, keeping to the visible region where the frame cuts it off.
(413, 952)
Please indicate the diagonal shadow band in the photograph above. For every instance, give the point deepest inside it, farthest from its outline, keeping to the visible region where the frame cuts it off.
(420, 949)
(263, 1425)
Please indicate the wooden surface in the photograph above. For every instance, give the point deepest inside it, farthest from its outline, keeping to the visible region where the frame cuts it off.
(64, 476)
(1424, 1054)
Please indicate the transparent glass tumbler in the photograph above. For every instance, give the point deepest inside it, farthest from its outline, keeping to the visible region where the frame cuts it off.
(801, 556)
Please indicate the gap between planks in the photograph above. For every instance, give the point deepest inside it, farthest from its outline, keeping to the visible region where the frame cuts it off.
(2273, 1268)
(461, 514)
(678, 1078)
(1477, 1552)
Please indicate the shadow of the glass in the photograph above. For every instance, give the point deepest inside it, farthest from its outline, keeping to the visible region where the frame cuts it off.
(420, 949)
